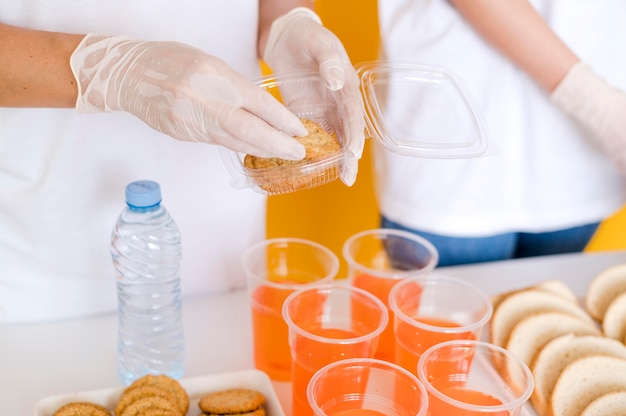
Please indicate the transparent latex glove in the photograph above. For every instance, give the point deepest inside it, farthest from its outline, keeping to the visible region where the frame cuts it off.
(298, 41)
(184, 93)
(598, 107)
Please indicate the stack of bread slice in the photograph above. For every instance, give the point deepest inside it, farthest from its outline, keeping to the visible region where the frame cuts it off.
(523, 321)
(576, 368)
(586, 380)
(557, 355)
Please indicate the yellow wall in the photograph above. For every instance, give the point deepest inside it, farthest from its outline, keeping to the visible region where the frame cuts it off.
(331, 213)
(611, 235)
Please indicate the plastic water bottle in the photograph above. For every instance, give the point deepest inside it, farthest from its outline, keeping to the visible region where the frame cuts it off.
(146, 251)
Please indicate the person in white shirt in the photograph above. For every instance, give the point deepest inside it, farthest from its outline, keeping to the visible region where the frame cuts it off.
(92, 96)
(548, 76)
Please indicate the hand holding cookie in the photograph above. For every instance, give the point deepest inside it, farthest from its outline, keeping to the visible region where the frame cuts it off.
(319, 166)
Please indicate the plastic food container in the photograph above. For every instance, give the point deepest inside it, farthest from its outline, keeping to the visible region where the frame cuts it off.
(414, 110)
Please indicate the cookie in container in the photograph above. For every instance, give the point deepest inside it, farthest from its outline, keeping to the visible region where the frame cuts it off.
(325, 157)
(411, 109)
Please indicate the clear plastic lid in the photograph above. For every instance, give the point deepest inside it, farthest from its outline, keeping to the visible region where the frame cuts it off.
(422, 111)
(414, 110)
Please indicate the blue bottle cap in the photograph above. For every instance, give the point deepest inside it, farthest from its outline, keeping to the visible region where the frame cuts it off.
(143, 194)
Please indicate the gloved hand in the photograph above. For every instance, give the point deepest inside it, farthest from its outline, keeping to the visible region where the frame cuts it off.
(185, 93)
(298, 41)
(598, 107)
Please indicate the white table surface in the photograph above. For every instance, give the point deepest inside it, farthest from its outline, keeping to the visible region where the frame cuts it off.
(40, 360)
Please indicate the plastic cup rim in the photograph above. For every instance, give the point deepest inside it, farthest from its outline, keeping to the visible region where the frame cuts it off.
(518, 402)
(374, 361)
(328, 287)
(259, 279)
(433, 328)
(430, 266)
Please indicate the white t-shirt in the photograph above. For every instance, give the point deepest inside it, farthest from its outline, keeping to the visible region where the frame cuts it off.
(63, 174)
(545, 174)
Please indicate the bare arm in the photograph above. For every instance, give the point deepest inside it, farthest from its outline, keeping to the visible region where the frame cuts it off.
(35, 70)
(516, 29)
(269, 10)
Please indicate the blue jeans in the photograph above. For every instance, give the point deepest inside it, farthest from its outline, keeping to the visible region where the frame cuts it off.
(466, 250)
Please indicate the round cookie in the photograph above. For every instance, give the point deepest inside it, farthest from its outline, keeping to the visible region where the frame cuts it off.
(167, 383)
(155, 406)
(257, 412)
(318, 143)
(231, 401)
(82, 409)
(277, 176)
(131, 395)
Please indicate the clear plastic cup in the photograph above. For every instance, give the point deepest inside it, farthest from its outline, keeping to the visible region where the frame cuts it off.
(378, 259)
(465, 378)
(275, 268)
(431, 309)
(327, 324)
(366, 387)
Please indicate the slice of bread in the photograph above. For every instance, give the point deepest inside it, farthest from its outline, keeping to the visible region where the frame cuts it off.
(523, 303)
(610, 404)
(554, 286)
(605, 287)
(558, 288)
(585, 380)
(614, 321)
(531, 333)
(557, 353)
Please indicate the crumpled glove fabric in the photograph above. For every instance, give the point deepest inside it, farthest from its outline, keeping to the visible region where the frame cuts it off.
(598, 107)
(299, 42)
(185, 93)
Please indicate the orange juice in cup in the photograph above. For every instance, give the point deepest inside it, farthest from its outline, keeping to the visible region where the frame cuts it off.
(378, 259)
(431, 331)
(268, 327)
(275, 268)
(466, 378)
(431, 309)
(326, 324)
(366, 387)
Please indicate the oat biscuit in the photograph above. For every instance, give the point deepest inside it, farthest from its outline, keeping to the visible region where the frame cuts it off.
(257, 412)
(82, 409)
(131, 395)
(232, 401)
(167, 383)
(319, 144)
(156, 406)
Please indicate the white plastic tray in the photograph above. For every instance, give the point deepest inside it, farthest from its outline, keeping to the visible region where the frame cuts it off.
(196, 387)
